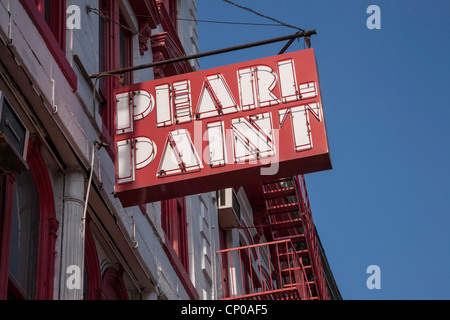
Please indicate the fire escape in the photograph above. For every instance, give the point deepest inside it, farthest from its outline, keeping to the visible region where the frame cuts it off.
(289, 266)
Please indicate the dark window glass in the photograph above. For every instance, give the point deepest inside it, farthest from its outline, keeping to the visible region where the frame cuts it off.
(24, 235)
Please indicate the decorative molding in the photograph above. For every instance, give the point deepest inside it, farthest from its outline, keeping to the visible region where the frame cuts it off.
(144, 36)
(147, 10)
(148, 19)
(165, 48)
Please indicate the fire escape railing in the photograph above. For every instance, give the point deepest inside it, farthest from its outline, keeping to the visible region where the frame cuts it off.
(313, 238)
(290, 218)
(266, 271)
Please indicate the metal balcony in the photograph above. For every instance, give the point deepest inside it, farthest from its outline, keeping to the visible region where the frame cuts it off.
(267, 271)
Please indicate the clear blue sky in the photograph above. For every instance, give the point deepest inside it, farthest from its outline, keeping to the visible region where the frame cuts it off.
(385, 93)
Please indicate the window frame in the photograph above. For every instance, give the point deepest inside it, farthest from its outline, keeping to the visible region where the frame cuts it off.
(174, 224)
(48, 227)
(24, 240)
(168, 207)
(224, 264)
(111, 58)
(55, 44)
(56, 18)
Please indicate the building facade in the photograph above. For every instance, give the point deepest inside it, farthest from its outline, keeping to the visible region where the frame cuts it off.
(63, 233)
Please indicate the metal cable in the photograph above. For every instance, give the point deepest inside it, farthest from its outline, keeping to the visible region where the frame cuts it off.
(262, 15)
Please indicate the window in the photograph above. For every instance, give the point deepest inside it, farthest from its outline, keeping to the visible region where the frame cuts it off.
(125, 50)
(23, 253)
(173, 220)
(245, 265)
(113, 287)
(171, 10)
(49, 18)
(174, 224)
(115, 51)
(54, 13)
(27, 232)
(225, 265)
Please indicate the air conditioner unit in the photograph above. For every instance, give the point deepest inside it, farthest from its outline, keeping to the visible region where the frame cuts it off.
(13, 139)
(229, 209)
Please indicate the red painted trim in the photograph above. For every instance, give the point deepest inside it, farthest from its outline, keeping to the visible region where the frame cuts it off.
(245, 270)
(112, 62)
(180, 270)
(164, 48)
(169, 22)
(129, 54)
(143, 208)
(14, 290)
(48, 224)
(266, 278)
(47, 229)
(55, 48)
(92, 266)
(168, 12)
(167, 45)
(174, 224)
(58, 22)
(113, 285)
(147, 8)
(57, 19)
(224, 264)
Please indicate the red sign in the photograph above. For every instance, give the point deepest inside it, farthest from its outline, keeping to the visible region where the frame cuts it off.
(225, 127)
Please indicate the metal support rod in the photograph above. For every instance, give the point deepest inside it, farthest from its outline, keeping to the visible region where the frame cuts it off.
(287, 45)
(206, 54)
(96, 145)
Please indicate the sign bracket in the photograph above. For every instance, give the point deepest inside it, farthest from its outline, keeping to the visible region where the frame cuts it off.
(292, 37)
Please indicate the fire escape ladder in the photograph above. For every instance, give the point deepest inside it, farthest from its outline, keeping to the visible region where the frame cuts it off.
(290, 218)
(313, 240)
(290, 266)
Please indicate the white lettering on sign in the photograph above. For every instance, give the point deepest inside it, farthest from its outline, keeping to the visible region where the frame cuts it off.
(256, 85)
(164, 105)
(289, 89)
(217, 149)
(300, 124)
(216, 98)
(132, 106)
(123, 113)
(179, 155)
(253, 138)
(182, 101)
